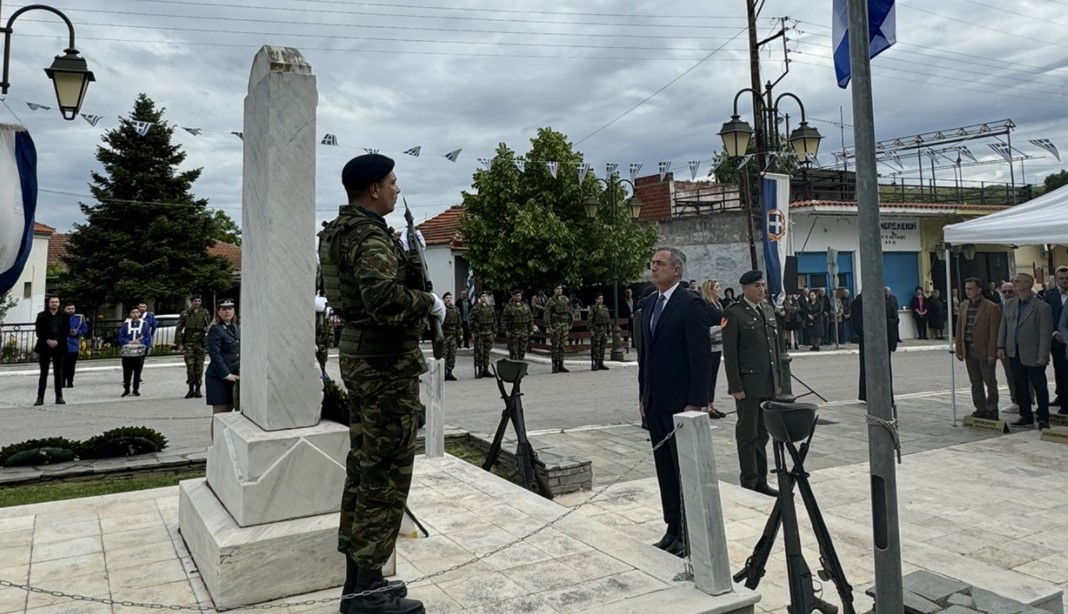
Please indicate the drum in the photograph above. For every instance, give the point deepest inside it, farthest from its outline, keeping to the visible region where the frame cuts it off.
(131, 350)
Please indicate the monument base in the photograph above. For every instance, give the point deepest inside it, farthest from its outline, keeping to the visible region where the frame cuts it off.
(242, 566)
(990, 426)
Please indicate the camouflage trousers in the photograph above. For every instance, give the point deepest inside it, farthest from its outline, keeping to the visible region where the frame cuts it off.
(483, 345)
(450, 349)
(517, 344)
(598, 341)
(323, 335)
(384, 417)
(558, 338)
(194, 363)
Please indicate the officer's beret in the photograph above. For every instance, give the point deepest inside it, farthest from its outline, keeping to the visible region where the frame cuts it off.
(226, 302)
(364, 170)
(446, 294)
(751, 277)
(517, 291)
(194, 297)
(599, 295)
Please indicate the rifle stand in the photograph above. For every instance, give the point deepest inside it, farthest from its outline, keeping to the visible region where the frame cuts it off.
(787, 423)
(526, 459)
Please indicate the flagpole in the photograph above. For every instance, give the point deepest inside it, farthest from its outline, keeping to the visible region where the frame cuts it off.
(881, 424)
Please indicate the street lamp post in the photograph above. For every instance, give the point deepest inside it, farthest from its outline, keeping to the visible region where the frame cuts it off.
(69, 73)
(634, 208)
(805, 141)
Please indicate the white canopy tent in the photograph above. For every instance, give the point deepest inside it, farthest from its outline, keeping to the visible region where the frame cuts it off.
(1043, 220)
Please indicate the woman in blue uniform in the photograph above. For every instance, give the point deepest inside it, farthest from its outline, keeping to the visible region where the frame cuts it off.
(224, 351)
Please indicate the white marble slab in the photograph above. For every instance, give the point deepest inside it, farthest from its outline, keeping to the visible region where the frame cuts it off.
(432, 395)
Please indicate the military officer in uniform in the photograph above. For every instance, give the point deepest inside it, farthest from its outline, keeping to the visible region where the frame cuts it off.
(323, 334)
(558, 317)
(751, 358)
(599, 322)
(366, 272)
(450, 327)
(484, 329)
(517, 320)
(191, 339)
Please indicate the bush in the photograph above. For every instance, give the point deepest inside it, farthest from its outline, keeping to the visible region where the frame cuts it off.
(126, 441)
(39, 456)
(35, 444)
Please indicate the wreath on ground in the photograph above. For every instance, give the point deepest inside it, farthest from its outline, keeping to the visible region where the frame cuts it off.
(115, 443)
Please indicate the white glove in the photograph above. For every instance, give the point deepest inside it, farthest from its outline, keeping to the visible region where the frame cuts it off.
(439, 308)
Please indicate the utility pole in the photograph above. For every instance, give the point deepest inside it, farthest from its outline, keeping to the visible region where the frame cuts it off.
(754, 77)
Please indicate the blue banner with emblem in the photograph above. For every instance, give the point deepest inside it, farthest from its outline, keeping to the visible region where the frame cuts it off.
(18, 202)
(775, 213)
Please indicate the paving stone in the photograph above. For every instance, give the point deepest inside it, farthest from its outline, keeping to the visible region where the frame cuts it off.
(932, 586)
(992, 603)
(960, 599)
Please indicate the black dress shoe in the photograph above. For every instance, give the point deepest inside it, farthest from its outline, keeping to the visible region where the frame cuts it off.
(1063, 411)
(764, 489)
(136, 393)
(665, 541)
(678, 548)
(60, 401)
(124, 394)
(1042, 424)
(39, 401)
(1024, 422)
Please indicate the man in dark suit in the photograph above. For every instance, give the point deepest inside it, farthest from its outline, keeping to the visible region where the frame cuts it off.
(674, 366)
(857, 310)
(751, 360)
(1024, 338)
(52, 328)
(1056, 297)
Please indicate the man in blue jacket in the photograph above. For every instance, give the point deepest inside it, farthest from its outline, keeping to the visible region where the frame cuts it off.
(78, 329)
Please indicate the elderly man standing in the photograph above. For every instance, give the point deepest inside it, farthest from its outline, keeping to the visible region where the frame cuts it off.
(977, 343)
(1024, 337)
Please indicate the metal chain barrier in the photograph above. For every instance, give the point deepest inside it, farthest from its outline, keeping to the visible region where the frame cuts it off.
(311, 602)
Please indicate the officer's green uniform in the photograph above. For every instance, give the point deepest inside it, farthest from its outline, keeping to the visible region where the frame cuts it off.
(191, 332)
(518, 321)
(751, 359)
(559, 318)
(451, 329)
(599, 322)
(323, 335)
(484, 329)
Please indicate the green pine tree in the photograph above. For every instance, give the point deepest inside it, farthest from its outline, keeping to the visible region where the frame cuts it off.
(148, 236)
(530, 230)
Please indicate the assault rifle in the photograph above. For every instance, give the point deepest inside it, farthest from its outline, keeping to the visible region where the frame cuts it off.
(415, 250)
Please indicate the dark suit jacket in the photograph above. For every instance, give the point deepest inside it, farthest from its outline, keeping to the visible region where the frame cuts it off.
(224, 349)
(1053, 297)
(49, 327)
(674, 362)
(857, 311)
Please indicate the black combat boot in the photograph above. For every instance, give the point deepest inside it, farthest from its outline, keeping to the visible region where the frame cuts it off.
(600, 366)
(59, 400)
(556, 367)
(563, 369)
(449, 377)
(196, 391)
(383, 601)
(593, 365)
(189, 394)
(351, 572)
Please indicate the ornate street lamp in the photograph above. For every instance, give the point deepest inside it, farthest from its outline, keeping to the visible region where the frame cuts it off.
(69, 73)
(634, 208)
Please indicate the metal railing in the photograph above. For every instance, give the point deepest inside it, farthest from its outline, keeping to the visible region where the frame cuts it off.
(20, 339)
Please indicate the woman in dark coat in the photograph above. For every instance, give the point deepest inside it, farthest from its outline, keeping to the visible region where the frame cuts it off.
(224, 350)
(710, 292)
(792, 323)
(936, 315)
(814, 321)
(919, 307)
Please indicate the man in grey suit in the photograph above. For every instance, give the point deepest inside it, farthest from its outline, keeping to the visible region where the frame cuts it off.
(1025, 339)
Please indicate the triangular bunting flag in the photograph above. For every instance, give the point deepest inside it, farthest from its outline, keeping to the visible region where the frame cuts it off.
(1047, 145)
(92, 119)
(414, 151)
(452, 155)
(553, 166)
(193, 131)
(664, 167)
(329, 139)
(582, 170)
(370, 150)
(240, 135)
(694, 165)
(38, 107)
(609, 169)
(520, 165)
(485, 162)
(745, 160)
(1002, 150)
(635, 167)
(141, 127)
(967, 153)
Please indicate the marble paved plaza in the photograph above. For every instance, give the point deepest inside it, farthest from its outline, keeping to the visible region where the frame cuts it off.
(993, 513)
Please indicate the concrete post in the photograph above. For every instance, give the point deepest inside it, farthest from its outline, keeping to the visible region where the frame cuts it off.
(704, 512)
(432, 384)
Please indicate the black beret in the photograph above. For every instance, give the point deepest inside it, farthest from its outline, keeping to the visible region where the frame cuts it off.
(751, 277)
(364, 170)
(517, 291)
(599, 295)
(194, 297)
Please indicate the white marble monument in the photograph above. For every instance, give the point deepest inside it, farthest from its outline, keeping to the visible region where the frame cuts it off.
(263, 525)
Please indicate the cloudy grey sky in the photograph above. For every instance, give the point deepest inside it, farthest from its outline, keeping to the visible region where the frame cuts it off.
(468, 74)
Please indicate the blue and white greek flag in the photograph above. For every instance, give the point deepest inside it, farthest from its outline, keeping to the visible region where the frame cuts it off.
(18, 202)
(775, 211)
(882, 33)
(470, 286)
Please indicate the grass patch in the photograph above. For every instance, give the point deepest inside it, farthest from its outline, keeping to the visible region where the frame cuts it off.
(476, 456)
(57, 491)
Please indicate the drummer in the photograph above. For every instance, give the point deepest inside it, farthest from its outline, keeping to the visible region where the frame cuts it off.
(135, 339)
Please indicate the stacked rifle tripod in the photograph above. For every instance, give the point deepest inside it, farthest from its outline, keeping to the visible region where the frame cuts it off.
(788, 423)
(526, 459)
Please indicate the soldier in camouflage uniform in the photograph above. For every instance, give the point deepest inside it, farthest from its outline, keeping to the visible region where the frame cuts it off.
(518, 322)
(450, 327)
(558, 317)
(191, 339)
(323, 333)
(483, 329)
(599, 322)
(366, 272)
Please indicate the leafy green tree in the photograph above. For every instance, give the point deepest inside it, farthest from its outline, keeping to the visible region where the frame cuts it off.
(7, 302)
(147, 237)
(226, 229)
(530, 230)
(1056, 180)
